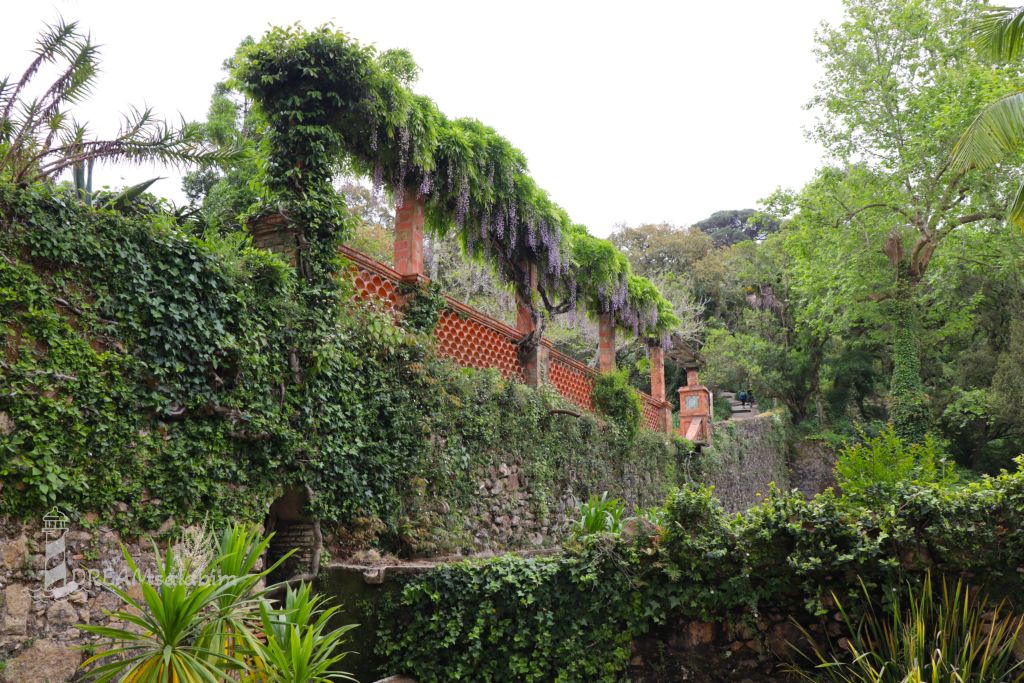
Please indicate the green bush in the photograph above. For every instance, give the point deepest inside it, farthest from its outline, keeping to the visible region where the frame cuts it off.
(516, 619)
(870, 469)
(788, 554)
(613, 396)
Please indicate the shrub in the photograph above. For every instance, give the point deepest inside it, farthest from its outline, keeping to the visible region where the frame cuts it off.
(871, 469)
(613, 396)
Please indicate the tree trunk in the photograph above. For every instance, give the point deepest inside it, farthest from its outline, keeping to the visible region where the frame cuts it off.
(908, 410)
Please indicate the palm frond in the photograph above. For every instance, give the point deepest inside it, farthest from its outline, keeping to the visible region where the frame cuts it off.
(997, 131)
(56, 40)
(999, 33)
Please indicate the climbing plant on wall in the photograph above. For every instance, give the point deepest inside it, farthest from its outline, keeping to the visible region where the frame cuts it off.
(332, 103)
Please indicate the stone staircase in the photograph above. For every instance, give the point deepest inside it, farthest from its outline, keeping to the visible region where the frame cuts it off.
(740, 411)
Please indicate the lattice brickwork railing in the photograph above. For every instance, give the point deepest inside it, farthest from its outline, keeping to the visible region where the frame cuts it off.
(475, 340)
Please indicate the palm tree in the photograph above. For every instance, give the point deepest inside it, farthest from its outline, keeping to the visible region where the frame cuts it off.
(999, 129)
(39, 139)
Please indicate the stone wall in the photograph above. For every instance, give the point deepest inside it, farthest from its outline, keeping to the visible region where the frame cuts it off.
(744, 458)
(746, 649)
(38, 629)
(812, 467)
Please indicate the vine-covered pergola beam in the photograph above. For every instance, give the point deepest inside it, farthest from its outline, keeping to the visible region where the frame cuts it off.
(330, 103)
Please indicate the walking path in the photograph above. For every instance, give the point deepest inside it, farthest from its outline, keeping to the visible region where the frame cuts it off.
(739, 411)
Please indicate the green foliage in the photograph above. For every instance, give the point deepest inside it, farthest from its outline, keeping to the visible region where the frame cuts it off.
(354, 109)
(947, 634)
(870, 470)
(600, 515)
(201, 619)
(516, 619)
(206, 375)
(613, 396)
(423, 306)
(908, 408)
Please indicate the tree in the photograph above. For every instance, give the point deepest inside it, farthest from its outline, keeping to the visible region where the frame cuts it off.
(901, 81)
(657, 249)
(39, 139)
(733, 226)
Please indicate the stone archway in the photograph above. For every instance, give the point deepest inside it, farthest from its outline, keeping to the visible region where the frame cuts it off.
(293, 529)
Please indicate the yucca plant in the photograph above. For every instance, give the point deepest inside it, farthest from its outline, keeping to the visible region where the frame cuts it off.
(944, 636)
(237, 554)
(39, 139)
(600, 515)
(299, 646)
(167, 642)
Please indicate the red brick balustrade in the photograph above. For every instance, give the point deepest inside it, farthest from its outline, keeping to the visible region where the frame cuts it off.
(464, 334)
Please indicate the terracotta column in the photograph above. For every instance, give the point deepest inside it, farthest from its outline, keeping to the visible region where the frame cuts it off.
(409, 238)
(534, 361)
(606, 343)
(657, 358)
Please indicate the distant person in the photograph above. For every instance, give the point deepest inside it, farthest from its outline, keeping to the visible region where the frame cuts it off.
(750, 397)
(742, 396)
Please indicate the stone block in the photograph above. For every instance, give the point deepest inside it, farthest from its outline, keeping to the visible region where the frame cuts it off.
(14, 552)
(17, 606)
(44, 662)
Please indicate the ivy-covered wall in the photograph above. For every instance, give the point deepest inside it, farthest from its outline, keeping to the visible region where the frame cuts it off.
(153, 373)
(706, 594)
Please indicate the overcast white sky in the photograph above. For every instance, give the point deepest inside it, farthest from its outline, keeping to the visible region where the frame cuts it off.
(628, 112)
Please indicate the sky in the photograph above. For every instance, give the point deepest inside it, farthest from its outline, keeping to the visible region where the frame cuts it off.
(628, 112)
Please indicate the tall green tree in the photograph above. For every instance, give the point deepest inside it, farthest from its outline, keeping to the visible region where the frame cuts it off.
(901, 81)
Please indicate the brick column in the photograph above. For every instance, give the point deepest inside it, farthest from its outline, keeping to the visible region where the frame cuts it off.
(694, 409)
(606, 343)
(409, 238)
(534, 361)
(273, 233)
(657, 358)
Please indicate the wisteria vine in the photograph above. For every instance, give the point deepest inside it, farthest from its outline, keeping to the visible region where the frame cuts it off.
(329, 103)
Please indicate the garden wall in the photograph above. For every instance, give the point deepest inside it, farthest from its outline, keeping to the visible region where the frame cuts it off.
(745, 457)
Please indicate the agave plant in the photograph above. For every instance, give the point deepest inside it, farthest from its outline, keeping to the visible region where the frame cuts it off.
(300, 646)
(237, 554)
(39, 139)
(944, 635)
(600, 515)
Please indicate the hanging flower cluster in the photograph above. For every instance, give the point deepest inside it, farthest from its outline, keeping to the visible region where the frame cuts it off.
(330, 104)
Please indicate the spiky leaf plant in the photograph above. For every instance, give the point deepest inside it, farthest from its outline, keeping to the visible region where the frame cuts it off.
(944, 634)
(40, 139)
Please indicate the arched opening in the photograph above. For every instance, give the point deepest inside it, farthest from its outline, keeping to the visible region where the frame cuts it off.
(293, 529)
